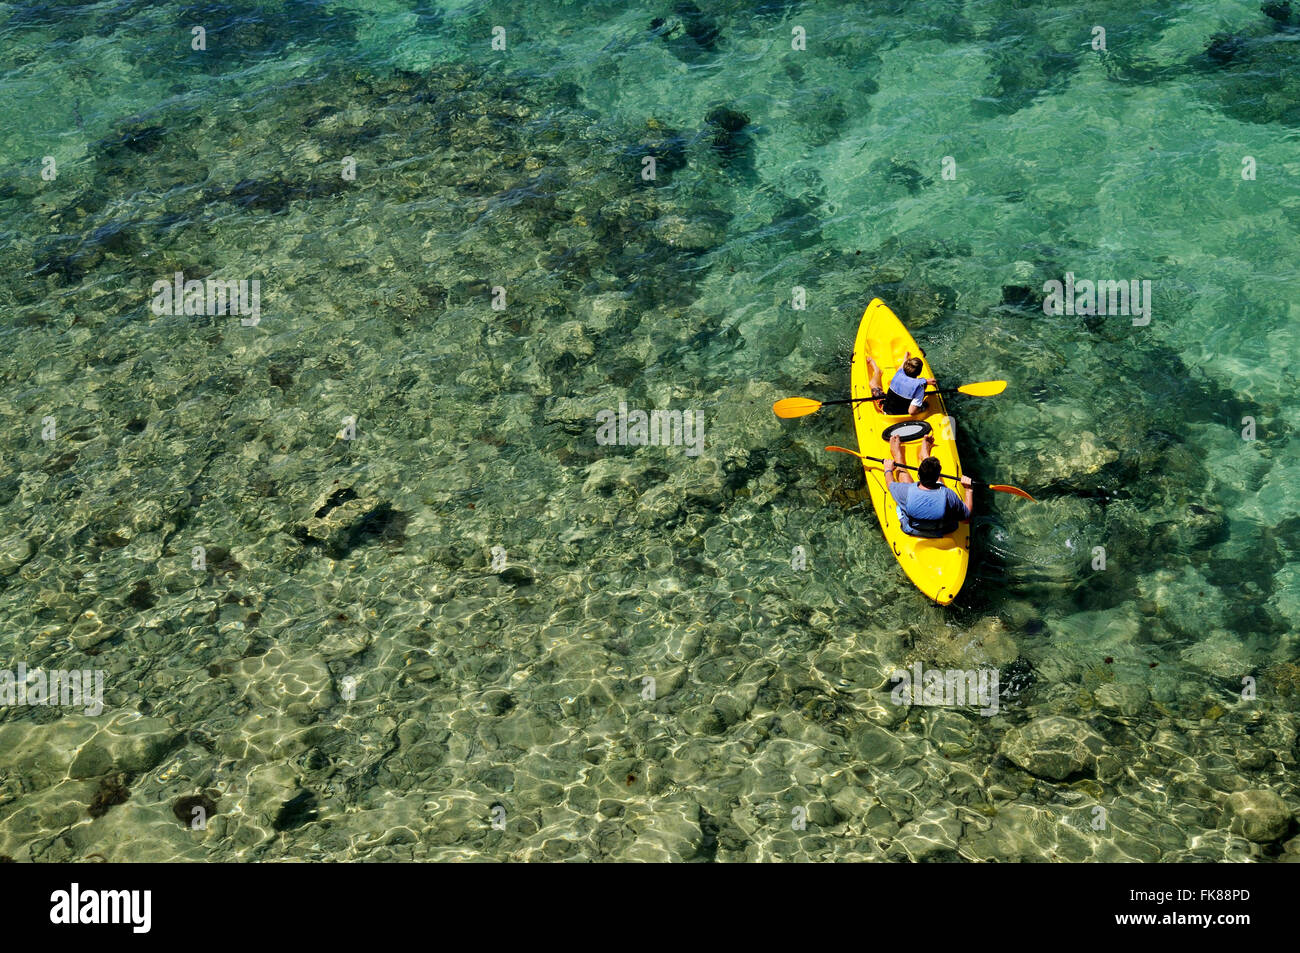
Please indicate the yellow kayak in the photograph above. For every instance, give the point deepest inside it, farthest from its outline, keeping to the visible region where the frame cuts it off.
(936, 566)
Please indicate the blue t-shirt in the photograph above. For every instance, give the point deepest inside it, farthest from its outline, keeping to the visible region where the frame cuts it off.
(941, 509)
(911, 389)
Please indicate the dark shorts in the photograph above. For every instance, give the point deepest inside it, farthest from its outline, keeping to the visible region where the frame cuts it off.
(892, 405)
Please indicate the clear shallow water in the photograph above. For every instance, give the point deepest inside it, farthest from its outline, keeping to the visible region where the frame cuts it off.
(349, 678)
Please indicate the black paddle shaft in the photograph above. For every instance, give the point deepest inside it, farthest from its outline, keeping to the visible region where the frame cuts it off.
(946, 476)
(858, 400)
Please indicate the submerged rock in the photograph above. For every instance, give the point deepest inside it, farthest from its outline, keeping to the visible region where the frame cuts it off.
(1224, 48)
(695, 234)
(1258, 815)
(1126, 698)
(129, 744)
(985, 643)
(14, 551)
(670, 834)
(729, 139)
(689, 33)
(42, 753)
(1279, 12)
(1054, 747)
(1221, 653)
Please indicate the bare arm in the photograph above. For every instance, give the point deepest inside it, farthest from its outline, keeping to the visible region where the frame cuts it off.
(921, 411)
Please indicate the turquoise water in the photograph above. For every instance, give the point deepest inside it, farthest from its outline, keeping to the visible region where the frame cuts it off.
(429, 599)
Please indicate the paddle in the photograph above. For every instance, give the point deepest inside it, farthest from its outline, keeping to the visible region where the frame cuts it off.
(803, 406)
(998, 487)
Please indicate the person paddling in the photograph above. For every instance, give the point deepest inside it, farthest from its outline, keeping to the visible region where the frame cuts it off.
(906, 394)
(927, 508)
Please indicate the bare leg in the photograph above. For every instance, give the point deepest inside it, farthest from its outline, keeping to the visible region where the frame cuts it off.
(896, 451)
(927, 447)
(875, 372)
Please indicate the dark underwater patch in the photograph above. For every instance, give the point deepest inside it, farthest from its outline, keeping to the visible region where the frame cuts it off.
(669, 152)
(1022, 71)
(690, 33)
(1248, 74)
(297, 811)
(904, 174)
(113, 790)
(237, 32)
(337, 498)
(184, 808)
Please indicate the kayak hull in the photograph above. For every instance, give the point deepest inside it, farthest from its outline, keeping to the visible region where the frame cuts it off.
(936, 566)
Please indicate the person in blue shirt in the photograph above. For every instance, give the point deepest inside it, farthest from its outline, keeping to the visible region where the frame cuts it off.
(906, 394)
(926, 508)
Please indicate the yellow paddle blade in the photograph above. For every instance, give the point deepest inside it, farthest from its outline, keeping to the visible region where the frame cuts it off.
(983, 388)
(796, 407)
(853, 453)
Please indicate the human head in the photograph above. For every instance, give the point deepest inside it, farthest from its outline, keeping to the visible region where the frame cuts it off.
(928, 472)
(912, 367)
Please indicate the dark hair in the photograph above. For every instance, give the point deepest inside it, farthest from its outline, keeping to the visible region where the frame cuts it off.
(912, 367)
(928, 472)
